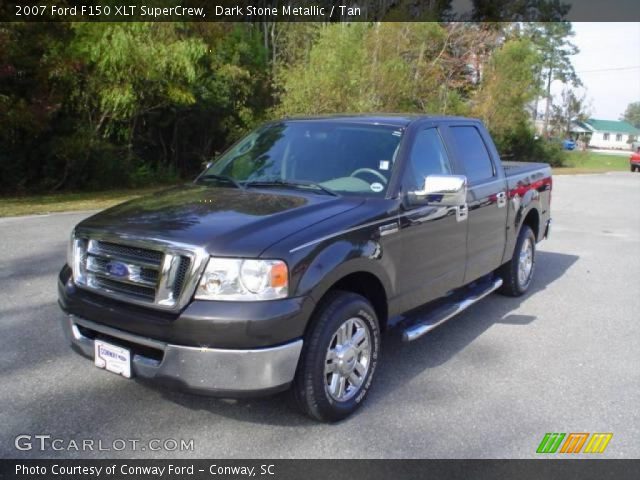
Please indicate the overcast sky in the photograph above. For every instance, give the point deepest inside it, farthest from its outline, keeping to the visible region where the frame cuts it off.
(608, 65)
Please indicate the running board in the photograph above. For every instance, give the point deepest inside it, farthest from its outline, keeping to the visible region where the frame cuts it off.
(441, 315)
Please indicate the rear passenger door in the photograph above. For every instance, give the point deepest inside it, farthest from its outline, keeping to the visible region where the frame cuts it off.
(486, 199)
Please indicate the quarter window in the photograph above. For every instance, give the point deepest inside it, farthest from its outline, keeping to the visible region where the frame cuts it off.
(473, 153)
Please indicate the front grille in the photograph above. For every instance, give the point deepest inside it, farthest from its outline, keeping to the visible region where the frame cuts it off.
(133, 253)
(147, 274)
(132, 273)
(144, 293)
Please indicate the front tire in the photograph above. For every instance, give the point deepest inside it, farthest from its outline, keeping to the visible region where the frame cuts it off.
(339, 357)
(517, 274)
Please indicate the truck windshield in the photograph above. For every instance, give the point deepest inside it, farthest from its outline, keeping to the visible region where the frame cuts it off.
(343, 157)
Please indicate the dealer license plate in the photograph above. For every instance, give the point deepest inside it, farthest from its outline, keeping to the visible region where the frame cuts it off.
(113, 358)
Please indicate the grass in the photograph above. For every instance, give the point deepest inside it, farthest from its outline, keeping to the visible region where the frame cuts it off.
(591, 162)
(64, 202)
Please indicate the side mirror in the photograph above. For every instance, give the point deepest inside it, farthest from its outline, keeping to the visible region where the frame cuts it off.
(441, 190)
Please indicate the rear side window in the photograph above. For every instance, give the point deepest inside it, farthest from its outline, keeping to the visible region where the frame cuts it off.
(428, 157)
(473, 153)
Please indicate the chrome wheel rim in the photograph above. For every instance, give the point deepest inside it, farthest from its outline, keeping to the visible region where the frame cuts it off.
(348, 360)
(525, 262)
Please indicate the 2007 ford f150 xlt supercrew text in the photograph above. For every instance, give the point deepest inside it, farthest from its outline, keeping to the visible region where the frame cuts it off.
(282, 263)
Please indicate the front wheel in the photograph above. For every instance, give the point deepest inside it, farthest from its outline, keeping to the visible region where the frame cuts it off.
(339, 357)
(518, 272)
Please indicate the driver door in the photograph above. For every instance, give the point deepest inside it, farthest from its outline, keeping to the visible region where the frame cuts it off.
(433, 237)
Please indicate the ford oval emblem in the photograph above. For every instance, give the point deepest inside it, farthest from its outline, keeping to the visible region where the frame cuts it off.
(117, 269)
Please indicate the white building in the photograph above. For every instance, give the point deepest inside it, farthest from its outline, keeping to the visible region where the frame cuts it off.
(610, 134)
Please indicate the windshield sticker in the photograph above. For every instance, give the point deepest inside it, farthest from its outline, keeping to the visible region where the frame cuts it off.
(384, 165)
(397, 133)
(377, 187)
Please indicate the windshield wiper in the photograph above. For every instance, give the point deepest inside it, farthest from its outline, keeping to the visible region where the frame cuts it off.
(290, 183)
(224, 178)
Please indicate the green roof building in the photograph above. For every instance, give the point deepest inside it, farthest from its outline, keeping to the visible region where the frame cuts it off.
(612, 134)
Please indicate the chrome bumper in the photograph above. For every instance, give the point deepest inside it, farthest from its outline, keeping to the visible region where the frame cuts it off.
(203, 370)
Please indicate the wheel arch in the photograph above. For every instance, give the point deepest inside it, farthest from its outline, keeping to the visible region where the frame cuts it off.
(528, 214)
(532, 220)
(357, 277)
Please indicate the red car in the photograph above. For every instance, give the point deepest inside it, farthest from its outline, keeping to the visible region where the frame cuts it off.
(634, 160)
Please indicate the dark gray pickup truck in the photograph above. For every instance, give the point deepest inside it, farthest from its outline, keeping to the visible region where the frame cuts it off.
(282, 263)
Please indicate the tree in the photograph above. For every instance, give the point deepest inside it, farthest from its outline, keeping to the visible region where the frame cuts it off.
(553, 42)
(508, 85)
(389, 66)
(632, 114)
(92, 105)
(572, 108)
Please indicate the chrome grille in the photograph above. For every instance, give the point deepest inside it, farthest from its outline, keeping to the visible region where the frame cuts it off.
(123, 251)
(158, 276)
(144, 293)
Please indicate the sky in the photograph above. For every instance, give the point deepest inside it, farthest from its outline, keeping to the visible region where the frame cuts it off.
(608, 65)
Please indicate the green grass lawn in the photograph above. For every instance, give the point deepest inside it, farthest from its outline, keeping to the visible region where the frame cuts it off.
(590, 162)
(62, 202)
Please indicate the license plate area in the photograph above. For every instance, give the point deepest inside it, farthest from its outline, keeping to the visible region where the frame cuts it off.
(111, 357)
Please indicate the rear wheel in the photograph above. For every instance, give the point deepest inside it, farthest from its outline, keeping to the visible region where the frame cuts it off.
(339, 357)
(518, 272)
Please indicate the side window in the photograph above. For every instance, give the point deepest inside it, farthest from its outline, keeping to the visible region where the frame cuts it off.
(473, 153)
(428, 157)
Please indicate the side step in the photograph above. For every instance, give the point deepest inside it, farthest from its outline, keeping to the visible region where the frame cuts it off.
(442, 314)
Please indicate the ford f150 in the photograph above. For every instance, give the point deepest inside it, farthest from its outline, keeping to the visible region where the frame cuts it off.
(282, 263)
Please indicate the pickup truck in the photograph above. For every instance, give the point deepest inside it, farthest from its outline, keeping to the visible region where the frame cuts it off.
(283, 262)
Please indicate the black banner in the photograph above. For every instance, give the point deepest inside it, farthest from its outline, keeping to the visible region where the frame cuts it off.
(581, 469)
(318, 10)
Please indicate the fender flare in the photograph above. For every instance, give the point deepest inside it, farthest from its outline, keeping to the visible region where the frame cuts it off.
(338, 260)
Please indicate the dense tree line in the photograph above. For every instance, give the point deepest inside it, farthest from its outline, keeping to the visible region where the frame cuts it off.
(97, 105)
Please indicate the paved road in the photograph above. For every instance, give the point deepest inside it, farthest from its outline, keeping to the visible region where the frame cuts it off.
(490, 383)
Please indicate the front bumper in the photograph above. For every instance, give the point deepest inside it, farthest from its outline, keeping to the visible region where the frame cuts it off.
(209, 324)
(210, 371)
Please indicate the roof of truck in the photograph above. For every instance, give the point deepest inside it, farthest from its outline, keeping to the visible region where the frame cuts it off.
(393, 119)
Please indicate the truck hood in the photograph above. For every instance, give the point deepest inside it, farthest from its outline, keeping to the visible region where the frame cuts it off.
(224, 221)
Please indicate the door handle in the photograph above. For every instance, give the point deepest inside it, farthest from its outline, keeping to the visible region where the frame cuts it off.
(502, 199)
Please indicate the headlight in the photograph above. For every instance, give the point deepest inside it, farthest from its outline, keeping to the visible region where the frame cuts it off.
(243, 279)
(76, 255)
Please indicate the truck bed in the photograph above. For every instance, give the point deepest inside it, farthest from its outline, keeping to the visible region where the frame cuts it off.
(515, 168)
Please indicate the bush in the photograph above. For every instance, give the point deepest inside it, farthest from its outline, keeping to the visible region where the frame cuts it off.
(146, 174)
(551, 152)
(522, 145)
